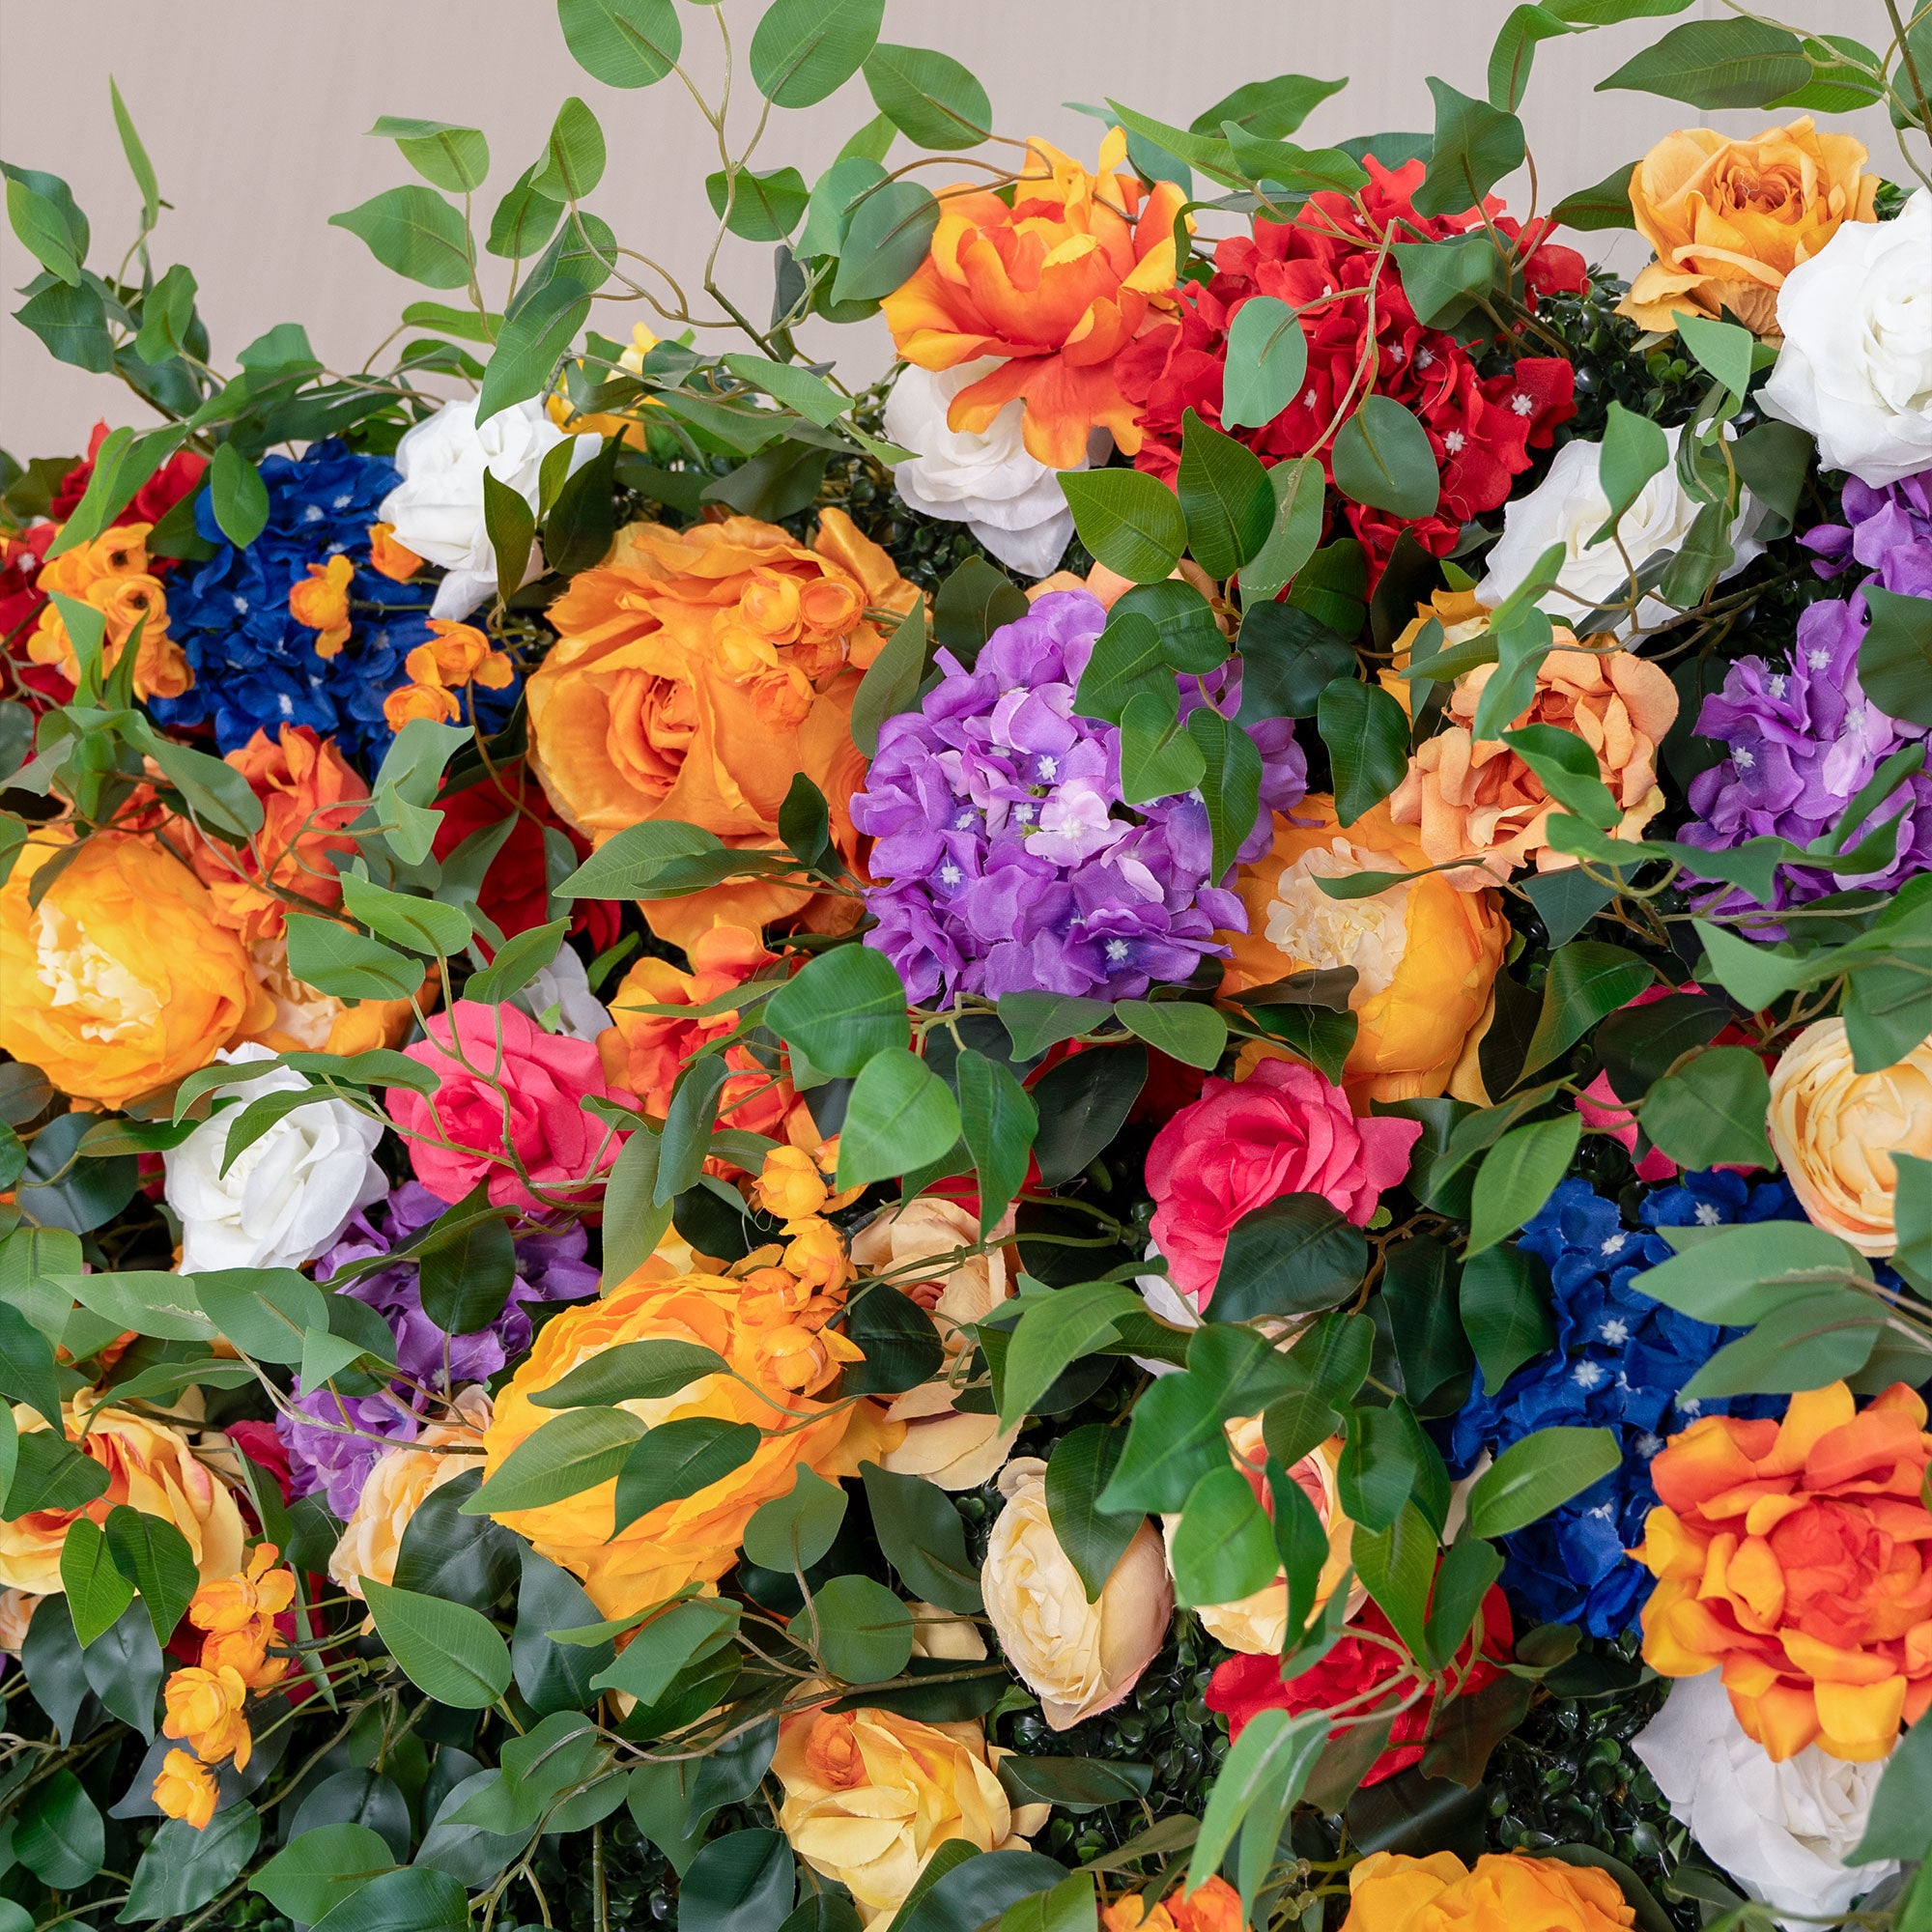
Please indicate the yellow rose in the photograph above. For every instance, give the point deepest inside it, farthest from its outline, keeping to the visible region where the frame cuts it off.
(112, 575)
(1078, 1658)
(763, 1334)
(119, 981)
(869, 1796)
(395, 1489)
(1731, 219)
(186, 1788)
(150, 1468)
(1835, 1130)
(204, 1710)
(1389, 1891)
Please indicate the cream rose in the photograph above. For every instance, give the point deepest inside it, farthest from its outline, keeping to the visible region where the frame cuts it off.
(396, 1487)
(1079, 1658)
(1835, 1130)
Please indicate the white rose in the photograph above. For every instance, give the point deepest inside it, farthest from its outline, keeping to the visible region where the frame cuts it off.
(437, 508)
(1078, 1658)
(1856, 368)
(1569, 508)
(565, 984)
(1010, 500)
(288, 1195)
(1782, 1830)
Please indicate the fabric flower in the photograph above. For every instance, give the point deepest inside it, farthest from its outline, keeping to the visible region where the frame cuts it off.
(1731, 219)
(288, 1194)
(320, 603)
(1425, 953)
(119, 980)
(1283, 1130)
(986, 479)
(204, 1709)
(112, 575)
(1570, 506)
(186, 1788)
(398, 1485)
(1856, 368)
(1507, 1891)
(1053, 279)
(1215, 1906)
(1835, 1131)
(1793, 1554)
(1782, 1830)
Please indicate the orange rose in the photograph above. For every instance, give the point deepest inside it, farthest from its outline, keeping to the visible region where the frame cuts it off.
(1425, 953)
(186, 1788)
(204, 1710)
(320, 603)
(1055, 280)
(773, 1335)
(387, 557)
(694, 677)
(1792, 1555)
(122, 979)
(111, 573)
(1389, 1891)
(1731, 219)
(1213, 1906)
(409, 702)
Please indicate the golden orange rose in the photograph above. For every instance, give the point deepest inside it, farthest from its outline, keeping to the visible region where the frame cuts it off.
(1835, 1130)
(121, 980)
(112, 575)
(1792, 1555)
(1731, 219)
(765, 1335)
(434, 703)
(150, 1467)
(1212, 1907)
(1507, 1891)
(320, 603)
(1054, 278)
(694, 677)
(186, 1788)
(1425, 953)
(204, 1710)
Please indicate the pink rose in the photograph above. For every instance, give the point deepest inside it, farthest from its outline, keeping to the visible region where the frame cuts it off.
(522, 1092)
(1283, 1130)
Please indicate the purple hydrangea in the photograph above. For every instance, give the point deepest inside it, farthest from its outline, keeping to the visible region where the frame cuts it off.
(550, 1267)
(1803, 739)
(1006, 858)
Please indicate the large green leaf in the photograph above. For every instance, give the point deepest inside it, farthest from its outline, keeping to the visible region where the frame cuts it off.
(572, 1452)
(1476, 144)
(415, 232)
(1131, 522)
(1267, 359)
(1224, 495)
(1538, 1474)
(841, 1008)
(1728, 62)
(1519, 1174)
(928, 96)
(899, 1117)
(1382, 459)
(1711, 1110)
(1367, 735)
(452, 1653)
(805, 49)
(622, 43)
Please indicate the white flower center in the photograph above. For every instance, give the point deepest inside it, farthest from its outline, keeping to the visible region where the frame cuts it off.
(1615, 1332)
(1708, 1216)
(1743, 757)
(1587, 1374)
(1370, 935)
(1454, 441)
(81, 974)
(1522, 404)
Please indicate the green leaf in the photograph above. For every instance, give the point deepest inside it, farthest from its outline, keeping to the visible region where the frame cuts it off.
(448, 1651)
(891, 683)
(512, 527)
(27, 1372)
(1129, 657)
(1468, 1570)
(1082, 1103)
(666, 1645)
(932, 99)
(139, 163)
(1519, 1174)
(154, 1557)
(1505, 1312)
(1895, 654)
(1440, 277)
(414, 232)
(1055, 1330)
(1711, 1110)
(1729, 63)
(889, 230)
(973, 603)
(740, 1883)
(1129, 520)
(634, 1221)
(572, 1452)
(1270, 109)
(998, 1121)
(1263, 1773)
(416, 1898)
(1294, 1256)
(265, 1312)
(1722, 349)
(1476, 145)
(43, 231)
(1268, 360)
(465, 1276)
(923, 1539)
(622, 43)
(574, 156)
(49, 1475)
(677, 1459)
(899, 1117)
(1397, 1566)
(58, 1833)
(1367, 735)
(447, 156)
(1515, 49)
(761, 206)
(524, 220)
(1035, 1022)
(97, 1592)
(239, 498)
(334, 960)
(794, 1531)
(423, 924)
(183, 1868)
(633, 1371)
(1299, 494)
(1382, 459)
(1223, 1548)
(1900, 1823)
(534, 341)
(1159, 757)
(1588, 981)
(318, 1870)
(860, 1632)
(1538, 1474)
(1078, 1469)
(1318, 1036)
(841, 1010)
(1568, 770)
(1808, 1343)
(805, 49)
(1224, 497)
(1196, 1036)
(1606, 206)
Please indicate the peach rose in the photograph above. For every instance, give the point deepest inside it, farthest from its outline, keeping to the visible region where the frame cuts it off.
(298, 1019)
(122, 979)
(1212, 1907)
(1425, 953)
(398, 1485)
(150, 1467)
(1792, 1555)
(1507, 1891)
(1055, 280)
(772, 1331)
(112, 575)
(1835, 1130)
(693, 675)
(1730, 219)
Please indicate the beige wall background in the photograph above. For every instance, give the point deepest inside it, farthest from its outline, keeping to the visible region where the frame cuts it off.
(254, 113)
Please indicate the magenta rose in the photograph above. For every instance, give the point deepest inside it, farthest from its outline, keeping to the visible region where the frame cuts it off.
(518, 1101)
(1283, 1130)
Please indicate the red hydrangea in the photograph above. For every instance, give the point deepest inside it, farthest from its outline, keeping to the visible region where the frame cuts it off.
(1481, 428)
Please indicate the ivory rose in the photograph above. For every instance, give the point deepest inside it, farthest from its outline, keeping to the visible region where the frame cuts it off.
(1731, 219)
(1425, 953)
(1079, 1658)
(122, 979)
(1794, 1556)
(150, 1467)
(1507, 1891)
(1054, 280)
(402, 1480)
(1835, 1130)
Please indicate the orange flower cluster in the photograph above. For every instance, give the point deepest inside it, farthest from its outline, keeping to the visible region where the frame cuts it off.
(1212, 1907)
(456, 656)
(319, 602)
(1792, 1555)
(112, 575)
(1056, 285)
(387, 557)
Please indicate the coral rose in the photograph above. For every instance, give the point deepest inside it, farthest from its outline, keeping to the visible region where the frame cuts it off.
(869, 1796)
(773, 1333)
(1079, 1658)
(113, 575)
(1835, 1130)
(399, 1483)
(694, 674)
(1055, 280)
(1212, 1907)
(1794, 1556)
(122, 979)
(1283, 1130)
(510, 1109)
(150, 1468)
(1425, 953)
(1507, 1891)
(1731, 219)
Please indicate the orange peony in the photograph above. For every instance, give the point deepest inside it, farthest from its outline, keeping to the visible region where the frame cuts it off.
(771, 1328)
(693, 675)
(1055, 281)
(1425, 953)
(112, 575)
(122, 979)
(1212, 1907)
(1731, 219)
(1507, 1891)
(1792, 1555)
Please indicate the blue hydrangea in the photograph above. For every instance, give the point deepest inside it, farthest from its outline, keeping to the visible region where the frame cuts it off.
(255, 666)
(1619, 1360)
